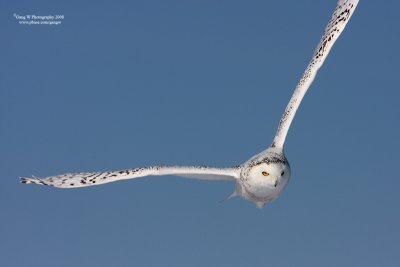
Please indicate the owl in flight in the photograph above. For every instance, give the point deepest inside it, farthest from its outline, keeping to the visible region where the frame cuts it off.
(260, 179)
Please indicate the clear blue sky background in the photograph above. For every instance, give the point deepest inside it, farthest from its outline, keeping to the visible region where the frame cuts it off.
(124, 84)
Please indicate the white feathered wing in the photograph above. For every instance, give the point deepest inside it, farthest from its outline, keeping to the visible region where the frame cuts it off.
(336, 25)
(72, 180)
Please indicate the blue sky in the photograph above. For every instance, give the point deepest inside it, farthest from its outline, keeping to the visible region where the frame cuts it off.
(123, 84)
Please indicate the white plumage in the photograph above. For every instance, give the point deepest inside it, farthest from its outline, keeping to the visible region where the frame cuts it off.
(260, 179)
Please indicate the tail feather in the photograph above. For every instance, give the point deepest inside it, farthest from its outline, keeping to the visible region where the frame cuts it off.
(260, 205)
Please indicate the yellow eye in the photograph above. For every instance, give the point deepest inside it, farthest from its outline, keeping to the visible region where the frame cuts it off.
(265, 173)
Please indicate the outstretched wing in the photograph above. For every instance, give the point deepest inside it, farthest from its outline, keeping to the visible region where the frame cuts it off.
(72, 180)
(340, 17)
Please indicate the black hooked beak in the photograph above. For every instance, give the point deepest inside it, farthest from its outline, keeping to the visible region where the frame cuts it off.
(276, 183)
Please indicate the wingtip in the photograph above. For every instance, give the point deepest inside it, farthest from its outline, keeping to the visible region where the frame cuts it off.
(25, 180)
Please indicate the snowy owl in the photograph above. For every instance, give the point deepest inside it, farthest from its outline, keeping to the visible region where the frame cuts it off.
(263, 177)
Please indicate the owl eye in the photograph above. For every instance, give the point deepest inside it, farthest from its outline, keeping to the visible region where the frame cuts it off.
(282, 173)
(265, 173)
